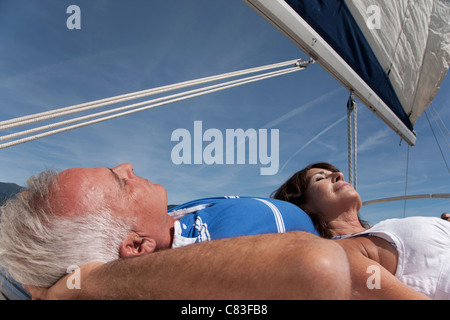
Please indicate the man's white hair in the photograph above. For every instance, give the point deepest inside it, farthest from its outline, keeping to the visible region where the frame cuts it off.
(37, 247)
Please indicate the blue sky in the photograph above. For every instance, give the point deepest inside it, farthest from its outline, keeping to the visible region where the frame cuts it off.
(127, 46)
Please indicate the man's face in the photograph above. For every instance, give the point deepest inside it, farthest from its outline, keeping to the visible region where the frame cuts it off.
(119, 189)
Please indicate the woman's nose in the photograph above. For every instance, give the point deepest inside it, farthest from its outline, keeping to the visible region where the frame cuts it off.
(338, 176)
(124, 170)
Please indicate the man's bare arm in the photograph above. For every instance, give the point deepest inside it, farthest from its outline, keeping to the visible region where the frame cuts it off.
(276, 266)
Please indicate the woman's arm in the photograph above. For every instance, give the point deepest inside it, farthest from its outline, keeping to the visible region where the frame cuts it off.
(370, 279)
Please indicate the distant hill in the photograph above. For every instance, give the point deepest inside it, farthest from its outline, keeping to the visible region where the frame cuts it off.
(8, 190)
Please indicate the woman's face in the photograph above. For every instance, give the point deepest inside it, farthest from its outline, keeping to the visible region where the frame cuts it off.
(328, 195)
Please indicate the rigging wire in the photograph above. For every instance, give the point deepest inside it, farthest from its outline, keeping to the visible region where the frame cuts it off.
(406, 16)
(87, 117)
(437, 124)
(413, 197)
(12, 123)
(439, 146)
(439, 116)
(137, 107)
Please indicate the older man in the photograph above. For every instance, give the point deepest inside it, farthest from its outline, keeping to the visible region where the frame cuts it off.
(82, 215)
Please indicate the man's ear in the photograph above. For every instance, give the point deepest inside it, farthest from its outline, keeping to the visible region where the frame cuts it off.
(135, 245)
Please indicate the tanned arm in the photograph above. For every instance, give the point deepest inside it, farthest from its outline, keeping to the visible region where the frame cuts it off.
(366, 265)
(294, 265)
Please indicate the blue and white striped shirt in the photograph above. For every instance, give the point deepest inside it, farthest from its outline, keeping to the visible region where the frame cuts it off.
(226, 217)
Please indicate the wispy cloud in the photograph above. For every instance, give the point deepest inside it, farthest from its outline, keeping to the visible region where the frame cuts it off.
(374, 140)
(317, 136)
(303, 108)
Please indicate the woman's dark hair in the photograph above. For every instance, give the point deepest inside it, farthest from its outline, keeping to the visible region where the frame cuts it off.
(294, 191)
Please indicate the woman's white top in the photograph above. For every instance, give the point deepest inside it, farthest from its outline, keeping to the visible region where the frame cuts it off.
(423, 246)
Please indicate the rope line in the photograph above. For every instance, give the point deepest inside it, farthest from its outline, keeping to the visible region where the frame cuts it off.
(12, 123)
(349, 142)
(352, 140)
(125, 110)
(406, 181)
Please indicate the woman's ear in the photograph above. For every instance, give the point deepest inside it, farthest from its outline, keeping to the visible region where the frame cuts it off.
(135, 245)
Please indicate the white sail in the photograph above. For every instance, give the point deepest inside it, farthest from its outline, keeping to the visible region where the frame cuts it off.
(412, 43)
(393, 55)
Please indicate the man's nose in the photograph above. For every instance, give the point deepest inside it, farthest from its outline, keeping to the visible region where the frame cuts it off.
(124, 170)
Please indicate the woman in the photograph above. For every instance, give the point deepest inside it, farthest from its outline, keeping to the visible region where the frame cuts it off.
(302, 191)
(414, 249)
